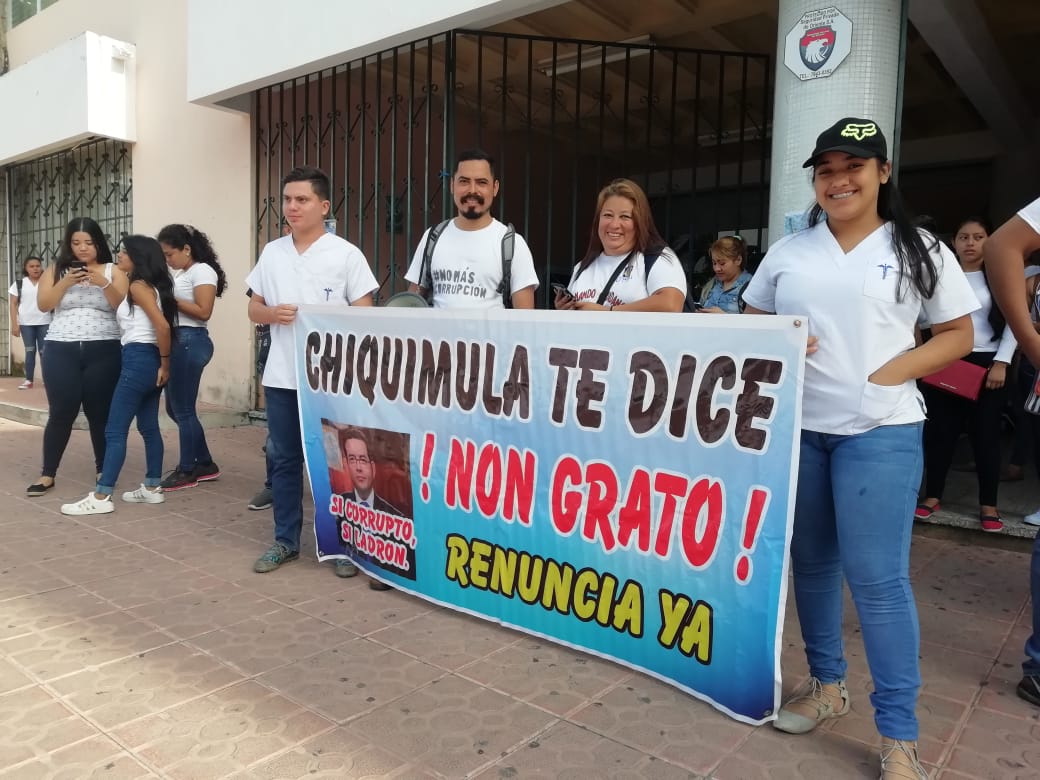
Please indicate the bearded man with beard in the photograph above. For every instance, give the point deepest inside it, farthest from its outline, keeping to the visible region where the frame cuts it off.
(466, 267)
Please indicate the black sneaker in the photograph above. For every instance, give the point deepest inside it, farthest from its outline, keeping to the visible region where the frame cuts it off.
(1029, 689)
(178, 480)
(262, 500)
(207, 472)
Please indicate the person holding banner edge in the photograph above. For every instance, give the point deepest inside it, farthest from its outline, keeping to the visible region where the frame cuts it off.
(1006, 251)
(861, 274)
(627, 264)
(308, 266)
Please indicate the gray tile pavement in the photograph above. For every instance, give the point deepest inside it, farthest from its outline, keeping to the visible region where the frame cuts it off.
(140, 644)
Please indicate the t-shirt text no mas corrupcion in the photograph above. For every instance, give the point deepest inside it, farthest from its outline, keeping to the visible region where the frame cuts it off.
(460, 281)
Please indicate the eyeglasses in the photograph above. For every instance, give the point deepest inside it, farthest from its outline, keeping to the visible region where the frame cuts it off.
(362, 460)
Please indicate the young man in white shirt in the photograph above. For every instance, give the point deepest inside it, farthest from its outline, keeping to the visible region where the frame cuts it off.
(1006, 251)
(466, 267)
(308, 266)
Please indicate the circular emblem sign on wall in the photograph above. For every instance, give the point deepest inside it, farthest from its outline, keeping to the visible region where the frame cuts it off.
(818, 43)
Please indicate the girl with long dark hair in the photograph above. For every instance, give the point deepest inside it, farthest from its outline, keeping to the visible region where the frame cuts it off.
(83, 289)
(198, 280)
(949, 414)
(146, 320)
(861, 277)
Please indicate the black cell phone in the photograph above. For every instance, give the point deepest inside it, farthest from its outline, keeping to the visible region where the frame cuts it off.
(77, 264)
(560, 289)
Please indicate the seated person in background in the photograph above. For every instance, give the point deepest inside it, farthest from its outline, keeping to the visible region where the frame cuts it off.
(729, 261)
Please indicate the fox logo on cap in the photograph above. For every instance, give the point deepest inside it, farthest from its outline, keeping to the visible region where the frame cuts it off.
(859, 131)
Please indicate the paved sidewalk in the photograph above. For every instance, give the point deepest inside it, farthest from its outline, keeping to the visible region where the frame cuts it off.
(140, 644)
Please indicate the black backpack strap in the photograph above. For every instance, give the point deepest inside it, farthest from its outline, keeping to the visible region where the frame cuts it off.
(613, 278)
(651, 257)
(426, 269)
(508, 247)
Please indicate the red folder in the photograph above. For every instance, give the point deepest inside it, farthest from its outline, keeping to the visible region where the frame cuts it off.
(960, 378)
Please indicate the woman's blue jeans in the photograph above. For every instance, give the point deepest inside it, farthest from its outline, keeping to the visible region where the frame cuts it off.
(853, 519)
(136, 395)
(32, 338)
(1032, 663)
(190, 353)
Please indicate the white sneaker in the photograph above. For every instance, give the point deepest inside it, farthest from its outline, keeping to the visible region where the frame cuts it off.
(1032, 519)
(26, 385)
(144, 495)
(89, 506)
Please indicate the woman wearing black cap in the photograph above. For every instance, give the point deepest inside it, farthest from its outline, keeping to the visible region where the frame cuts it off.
(861, 274)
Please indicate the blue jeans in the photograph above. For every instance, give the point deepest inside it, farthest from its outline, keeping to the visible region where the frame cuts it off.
(1032, 662)
(136, 395)
(32, 338)
(285, 453)
(854, 517)
(190, 353)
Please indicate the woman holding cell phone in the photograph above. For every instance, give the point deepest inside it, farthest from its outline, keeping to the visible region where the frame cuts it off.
(627, 265)
(83, 289)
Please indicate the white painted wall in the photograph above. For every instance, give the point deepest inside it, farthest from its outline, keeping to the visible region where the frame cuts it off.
(190, 163)
(83, 87)
(236, 46)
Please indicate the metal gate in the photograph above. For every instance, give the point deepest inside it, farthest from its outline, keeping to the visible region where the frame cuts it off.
(561, 117)
(43, 195)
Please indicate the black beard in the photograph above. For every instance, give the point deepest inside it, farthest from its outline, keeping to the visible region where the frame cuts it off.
(471, 213)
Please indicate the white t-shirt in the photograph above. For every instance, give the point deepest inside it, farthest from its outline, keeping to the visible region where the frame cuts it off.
(1005, 348)
(184, 283)
(28, 311)
(332, 271)
(466, 267)
(632, 284)
(851, 305)
(134, 324)
(1031, 214)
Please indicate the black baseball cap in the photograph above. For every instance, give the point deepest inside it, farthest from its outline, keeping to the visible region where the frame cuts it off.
(859, 137)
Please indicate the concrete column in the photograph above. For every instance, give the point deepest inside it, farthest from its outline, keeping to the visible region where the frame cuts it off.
(865, 84)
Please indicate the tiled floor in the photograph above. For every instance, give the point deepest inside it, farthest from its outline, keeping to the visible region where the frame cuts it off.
(140, 644)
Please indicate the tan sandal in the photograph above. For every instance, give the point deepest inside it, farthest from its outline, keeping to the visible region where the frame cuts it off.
(812, 694)
(899, 761)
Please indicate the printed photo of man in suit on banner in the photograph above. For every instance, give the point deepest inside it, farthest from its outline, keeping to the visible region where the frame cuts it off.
(369, 469)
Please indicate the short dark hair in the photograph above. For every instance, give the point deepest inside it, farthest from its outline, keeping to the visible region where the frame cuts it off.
(476, 154)
(316, 176)
(354, 433)
(985, 223)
